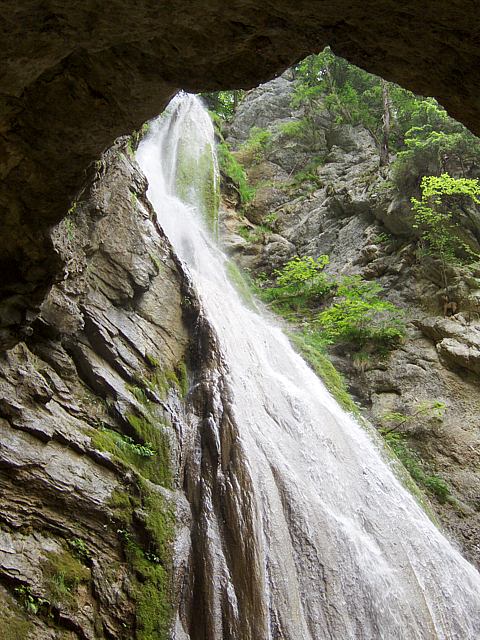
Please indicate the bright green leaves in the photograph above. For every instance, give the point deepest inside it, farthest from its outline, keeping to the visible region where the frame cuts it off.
(223, 103)
(445, 185)
(436, 214)
(350, 310)
(299, 270)
(360, 315)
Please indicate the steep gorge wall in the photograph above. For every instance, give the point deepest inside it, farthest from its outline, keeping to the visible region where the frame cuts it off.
(348, 208)
(85, 520)
(77, 75)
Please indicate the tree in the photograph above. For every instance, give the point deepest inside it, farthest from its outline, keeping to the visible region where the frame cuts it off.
(432, 143)
(223, 103)
(385, 145)
(351, 95)
(436, 217)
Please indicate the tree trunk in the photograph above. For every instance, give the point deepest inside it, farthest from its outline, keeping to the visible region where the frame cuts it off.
(384, 147)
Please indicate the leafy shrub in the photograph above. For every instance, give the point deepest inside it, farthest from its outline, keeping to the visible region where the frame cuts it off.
(300, 270)
(294, 129)
(300, 284)
(79, 549)
(435, 217)
(359, 315)
(29, 601)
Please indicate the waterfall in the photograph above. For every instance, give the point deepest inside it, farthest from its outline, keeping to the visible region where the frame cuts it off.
(302, 531)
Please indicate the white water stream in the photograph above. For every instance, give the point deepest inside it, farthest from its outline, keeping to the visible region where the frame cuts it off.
(340, 549)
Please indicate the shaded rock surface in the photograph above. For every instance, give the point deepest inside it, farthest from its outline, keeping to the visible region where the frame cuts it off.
(77, 75)
(349, 209)
(105, 332)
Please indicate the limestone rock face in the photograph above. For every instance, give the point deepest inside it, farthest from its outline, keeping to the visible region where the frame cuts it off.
(348, 209)
(92, 365)
(77, 75)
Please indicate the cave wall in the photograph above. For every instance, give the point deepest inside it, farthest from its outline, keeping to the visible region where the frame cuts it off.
(77, 75)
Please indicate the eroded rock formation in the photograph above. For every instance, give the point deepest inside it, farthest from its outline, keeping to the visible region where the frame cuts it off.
(100, 373)
(75, 76)
(350, 210)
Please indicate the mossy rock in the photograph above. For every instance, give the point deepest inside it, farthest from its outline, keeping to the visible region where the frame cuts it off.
(63, 575)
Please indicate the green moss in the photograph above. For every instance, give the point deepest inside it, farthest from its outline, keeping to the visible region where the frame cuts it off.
(153, 431)
(242, 284)
(150, 456)
(432, 483)
(63, 574)
(182, 377)
(152, 360)
(312, 348)
(197, 183)
(162, 380)
(123, 505)
(150, 559)
(230, 167)
(154, 600)
(139, 394)
(13, 624)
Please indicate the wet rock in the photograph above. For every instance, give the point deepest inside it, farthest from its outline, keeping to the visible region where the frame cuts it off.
(351, 211)
(105, 330)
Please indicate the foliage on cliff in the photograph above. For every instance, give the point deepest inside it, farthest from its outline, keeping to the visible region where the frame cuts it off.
(418, 130)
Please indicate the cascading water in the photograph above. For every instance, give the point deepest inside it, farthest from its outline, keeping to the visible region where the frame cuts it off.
(303, 530)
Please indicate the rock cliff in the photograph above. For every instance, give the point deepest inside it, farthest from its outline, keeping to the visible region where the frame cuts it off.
(92, 405)
(348, 208)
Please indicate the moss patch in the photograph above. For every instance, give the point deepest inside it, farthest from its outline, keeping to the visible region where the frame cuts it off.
(242, 284)
(312, 349)
(63, 574)
(432, 483)
(231, 168)
(197, 183)
(149, 557)
(13, 622)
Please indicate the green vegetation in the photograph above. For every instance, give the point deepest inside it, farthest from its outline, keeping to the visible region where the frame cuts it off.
(242, 284)
(352, 309)
(432, 410)
(313, 348)
(253, 150)
(232, 168)
(430, 142)
(152, 431)
(64, 574)
(162, 380)
(29, 601)
(436, 217)
(149, 456)
(434, 484)
(147, 548)
(300, 285)
(13, 623)
(418, 130)
(150, 561)
(80, 550)
(197, 183)
(360, 316)
(223, 104)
